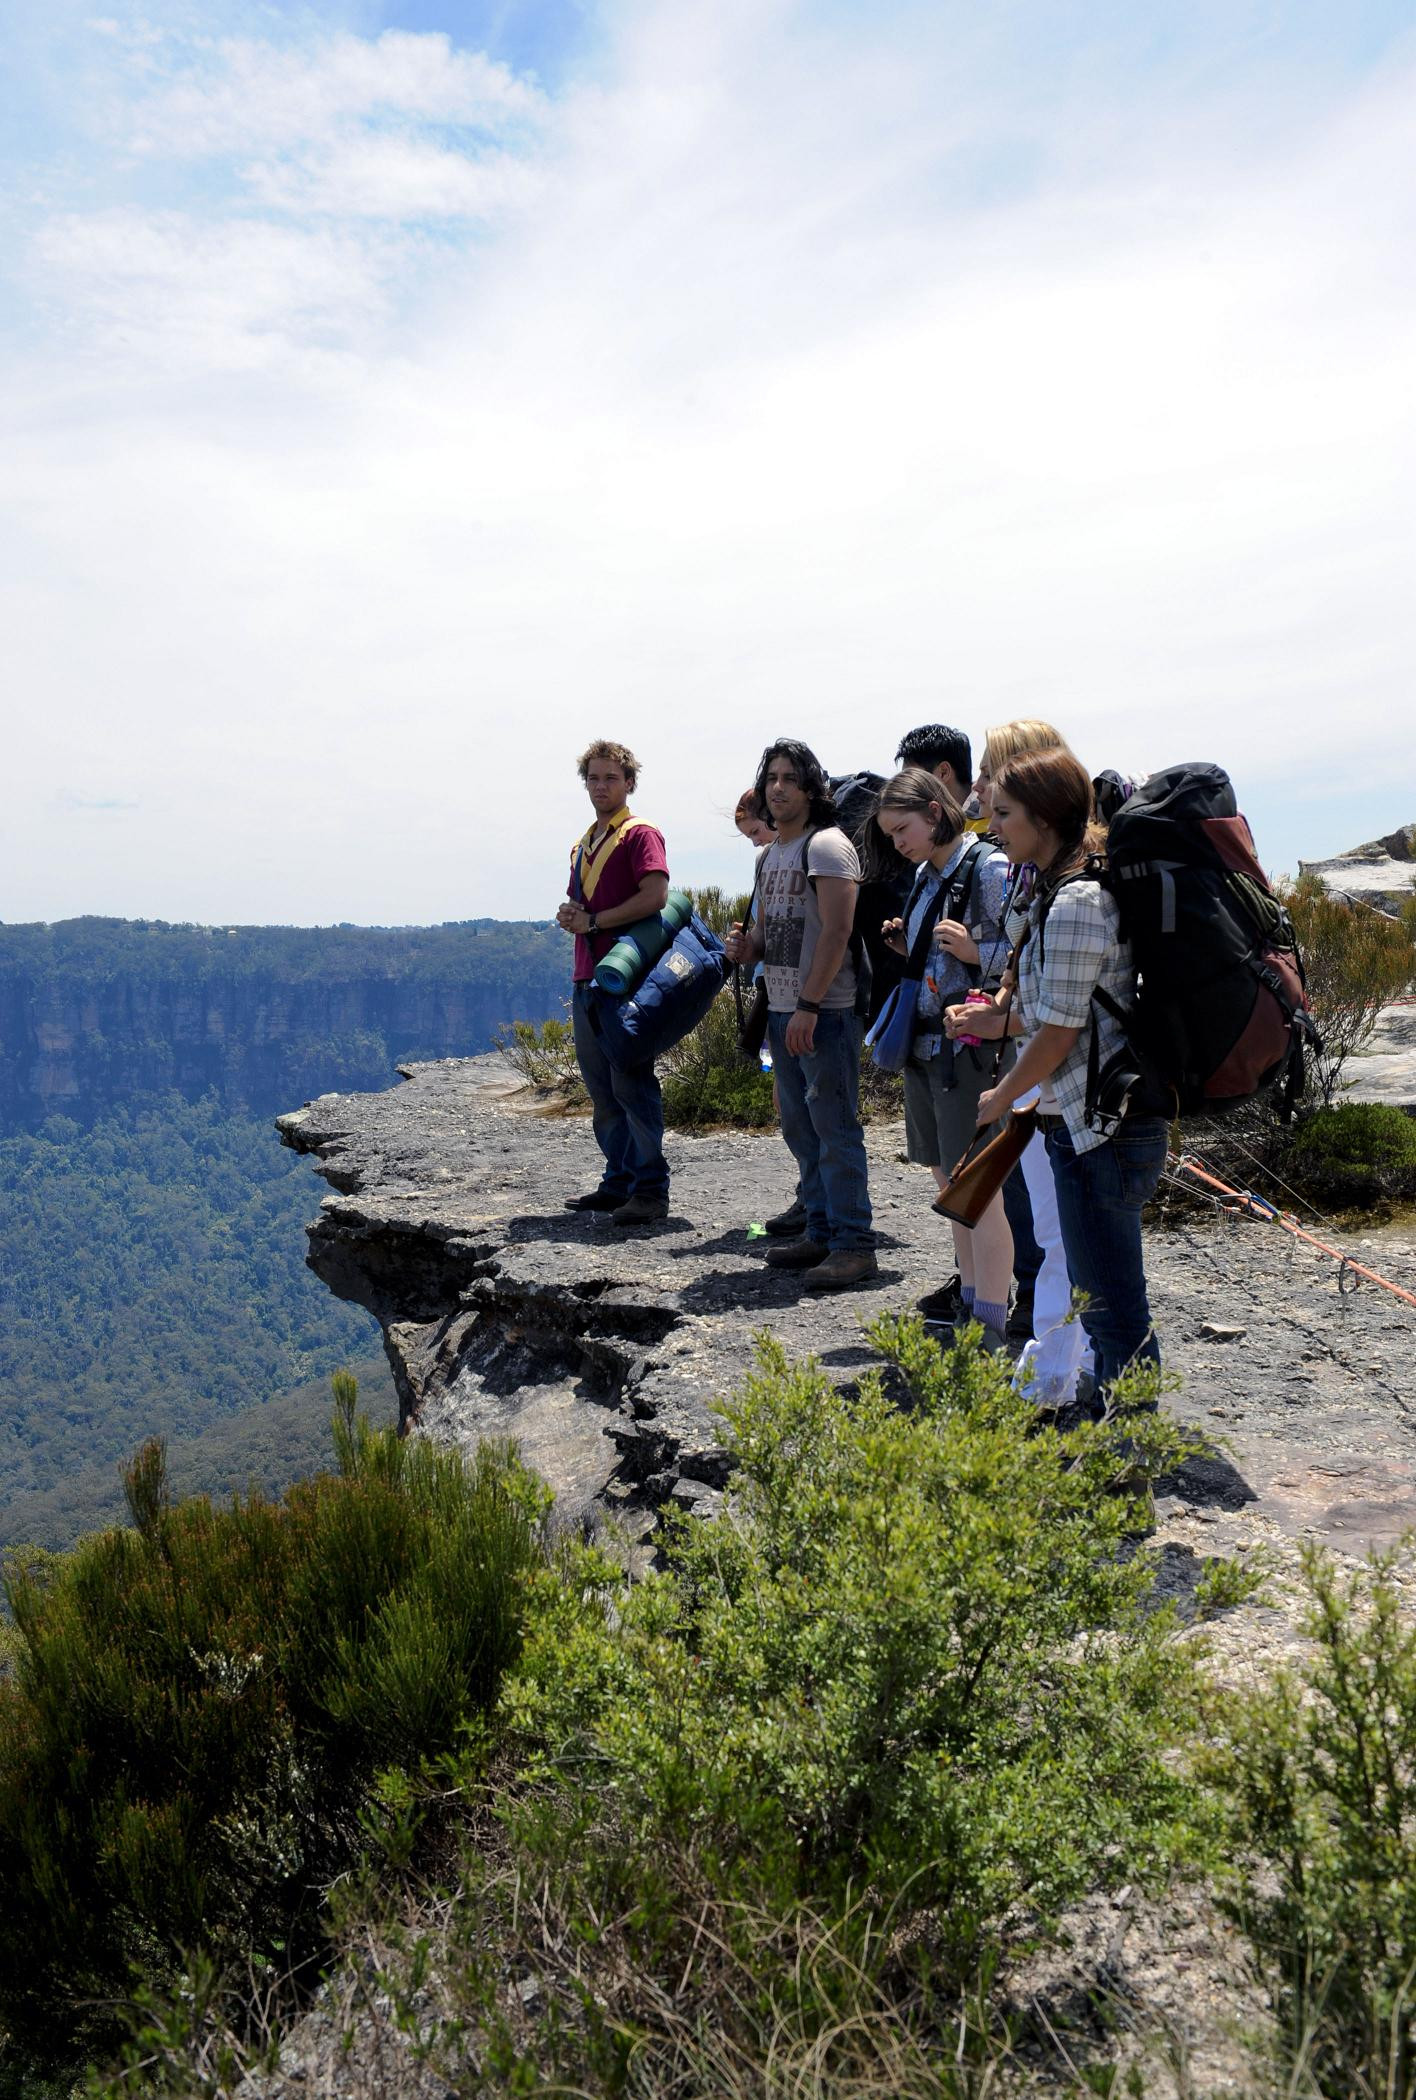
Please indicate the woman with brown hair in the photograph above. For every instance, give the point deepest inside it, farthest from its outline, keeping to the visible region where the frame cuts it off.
(959, 886)
(1105, 1168)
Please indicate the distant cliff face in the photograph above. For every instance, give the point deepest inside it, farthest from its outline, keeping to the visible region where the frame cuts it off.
(95, 1012)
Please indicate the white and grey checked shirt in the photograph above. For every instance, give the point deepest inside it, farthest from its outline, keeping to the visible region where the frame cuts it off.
(1077, 951)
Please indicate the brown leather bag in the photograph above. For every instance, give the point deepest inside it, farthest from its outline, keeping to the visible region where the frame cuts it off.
(980, 1174)
(991, 1156)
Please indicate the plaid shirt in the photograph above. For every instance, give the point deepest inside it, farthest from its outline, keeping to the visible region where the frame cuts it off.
(1076, 951)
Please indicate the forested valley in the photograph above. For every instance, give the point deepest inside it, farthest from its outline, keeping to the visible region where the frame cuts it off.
(152, 1276)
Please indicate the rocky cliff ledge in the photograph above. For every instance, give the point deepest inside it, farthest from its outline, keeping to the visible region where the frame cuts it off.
(1382, 873)
(601, 1351)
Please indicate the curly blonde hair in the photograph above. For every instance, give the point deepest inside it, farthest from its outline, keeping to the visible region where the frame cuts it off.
(618, 755)
(1014, 739)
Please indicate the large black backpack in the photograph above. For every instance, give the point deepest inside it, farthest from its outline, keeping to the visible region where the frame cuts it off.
(1221, 1008)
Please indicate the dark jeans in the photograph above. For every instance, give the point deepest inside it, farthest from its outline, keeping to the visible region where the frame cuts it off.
(1027, 1255)
(627, 1111)
(1100, 1195)
(819, 1098)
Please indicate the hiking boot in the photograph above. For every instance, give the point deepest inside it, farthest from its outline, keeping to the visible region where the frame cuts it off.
(642, 1210)
(843, 1270)
(598, 1199)
(788, 1223)
(796, 1254)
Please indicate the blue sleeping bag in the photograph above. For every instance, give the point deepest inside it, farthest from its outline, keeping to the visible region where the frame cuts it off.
(672, 998)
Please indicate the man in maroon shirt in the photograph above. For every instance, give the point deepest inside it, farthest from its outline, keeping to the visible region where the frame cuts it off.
(618, 874)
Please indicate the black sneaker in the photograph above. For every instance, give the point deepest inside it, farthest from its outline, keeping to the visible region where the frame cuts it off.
(598, 1199)
(788, 1224)
(1020, 1319)
(945, 1305)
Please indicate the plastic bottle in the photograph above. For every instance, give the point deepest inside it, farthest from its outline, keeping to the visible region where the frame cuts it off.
(764, 1058)
(974, 998)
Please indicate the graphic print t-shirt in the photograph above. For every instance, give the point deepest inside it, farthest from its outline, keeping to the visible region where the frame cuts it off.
(791, 918)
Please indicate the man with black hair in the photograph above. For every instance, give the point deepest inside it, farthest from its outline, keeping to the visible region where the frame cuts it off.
(944, 752)
(806, 888)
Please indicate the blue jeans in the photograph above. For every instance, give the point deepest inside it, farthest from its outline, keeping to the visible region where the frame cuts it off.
(819, 1096)
(627, 1111)
(1100, 1195)
(1027, 1255)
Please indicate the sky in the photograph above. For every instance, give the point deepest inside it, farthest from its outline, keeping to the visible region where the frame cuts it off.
(395, 397)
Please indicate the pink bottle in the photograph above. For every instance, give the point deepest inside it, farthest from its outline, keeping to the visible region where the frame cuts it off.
(974, 998)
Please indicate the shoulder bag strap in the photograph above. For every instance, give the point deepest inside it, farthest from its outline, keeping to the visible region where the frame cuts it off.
(924, 939)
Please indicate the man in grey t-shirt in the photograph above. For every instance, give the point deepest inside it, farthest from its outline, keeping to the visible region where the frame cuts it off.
(806, 885)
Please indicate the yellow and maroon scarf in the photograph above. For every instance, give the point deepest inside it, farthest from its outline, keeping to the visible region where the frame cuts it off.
(587, 867)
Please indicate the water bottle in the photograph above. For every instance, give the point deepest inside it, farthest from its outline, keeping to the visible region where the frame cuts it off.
(764, 1058)
(974, 998)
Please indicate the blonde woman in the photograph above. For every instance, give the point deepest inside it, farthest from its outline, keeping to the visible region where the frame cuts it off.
(1058, 1360)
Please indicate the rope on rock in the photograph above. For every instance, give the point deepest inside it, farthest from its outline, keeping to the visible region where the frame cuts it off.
(1249, 1205)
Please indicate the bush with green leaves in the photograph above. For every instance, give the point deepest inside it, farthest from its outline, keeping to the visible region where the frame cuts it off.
(764, 1823)
(542, 1055)
(199, 1705)
(1320, 1768)
(1356, 960)
(1355, 1152)
(912, 1656)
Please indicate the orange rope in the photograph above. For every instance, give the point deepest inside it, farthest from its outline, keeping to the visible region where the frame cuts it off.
(1260, 1209)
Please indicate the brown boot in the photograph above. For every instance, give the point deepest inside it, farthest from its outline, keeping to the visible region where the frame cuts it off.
(641, 1210)
(796, 1254)
(843, 1270)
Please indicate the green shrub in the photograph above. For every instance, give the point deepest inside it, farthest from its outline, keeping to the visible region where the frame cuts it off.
(706, 1079)
(1320, 1766)
(542, 1055)
(199, 1705)
(1355, 1152)
(912, 1655)
(765, 1821)
(1356, 960)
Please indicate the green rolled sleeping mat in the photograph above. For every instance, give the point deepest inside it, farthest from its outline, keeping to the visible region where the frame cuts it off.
(640, 946)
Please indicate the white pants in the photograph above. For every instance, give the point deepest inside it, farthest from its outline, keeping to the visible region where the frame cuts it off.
(1049, 1365)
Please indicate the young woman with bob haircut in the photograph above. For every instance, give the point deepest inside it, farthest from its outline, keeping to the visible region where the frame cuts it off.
(1042, 813)
(964, 879)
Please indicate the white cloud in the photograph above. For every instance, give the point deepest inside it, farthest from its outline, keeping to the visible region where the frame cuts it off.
(246, 96)
(385, 177)
(211, 298)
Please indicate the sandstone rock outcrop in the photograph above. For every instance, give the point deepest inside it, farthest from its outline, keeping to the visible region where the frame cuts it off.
(1382, 873)
(601, 1351)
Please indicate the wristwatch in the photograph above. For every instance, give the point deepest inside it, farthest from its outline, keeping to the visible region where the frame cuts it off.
(808, 1006)
(592, 924)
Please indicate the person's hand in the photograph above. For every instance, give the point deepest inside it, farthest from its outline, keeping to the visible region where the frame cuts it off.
(734, 943)
(573, 917)
(986, 1022)
(893, 935)
(956, 940)
(994, 1104)
(801, 1034)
